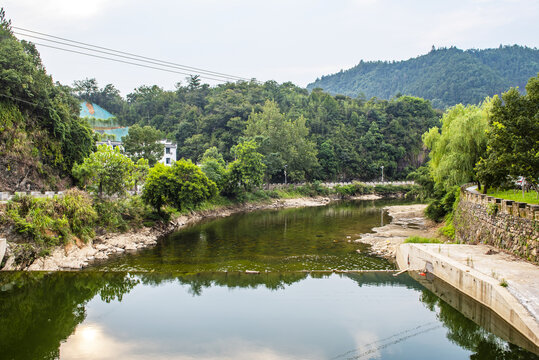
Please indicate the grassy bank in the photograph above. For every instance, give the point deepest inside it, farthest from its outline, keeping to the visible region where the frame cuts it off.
(529, 197)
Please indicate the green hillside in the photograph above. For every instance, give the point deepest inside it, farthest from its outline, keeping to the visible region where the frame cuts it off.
(446, 76)
(41, 134)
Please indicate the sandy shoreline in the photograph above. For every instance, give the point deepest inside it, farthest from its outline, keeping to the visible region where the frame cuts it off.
(406, 221)
(78, 256)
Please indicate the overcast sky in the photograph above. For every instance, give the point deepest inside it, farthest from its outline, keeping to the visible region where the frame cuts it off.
(282, 40)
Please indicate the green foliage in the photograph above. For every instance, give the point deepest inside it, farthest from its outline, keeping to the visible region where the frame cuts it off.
(48, 222)
(421, 240)
(283, 142)
(316, 135)
(492, 209)
(182, 185)
(438, 209)
(354, 189)
(247, 171)
(106, 171)
(529, 197)
(143, 143)
(213, 165)
(456, 150)
(513, 137)
(446, 76)
(122, 214)
(39, 115)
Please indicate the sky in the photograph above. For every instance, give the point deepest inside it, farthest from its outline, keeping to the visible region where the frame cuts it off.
(281, 40)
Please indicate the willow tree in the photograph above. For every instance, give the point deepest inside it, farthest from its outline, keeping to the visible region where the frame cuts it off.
(457, 146)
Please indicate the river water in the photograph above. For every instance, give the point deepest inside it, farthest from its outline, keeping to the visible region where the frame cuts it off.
(189, 298)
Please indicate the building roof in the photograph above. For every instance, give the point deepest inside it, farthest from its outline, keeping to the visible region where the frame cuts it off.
(93, 110)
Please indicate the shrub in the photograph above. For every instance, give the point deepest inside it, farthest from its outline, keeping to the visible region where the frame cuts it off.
(181, 185)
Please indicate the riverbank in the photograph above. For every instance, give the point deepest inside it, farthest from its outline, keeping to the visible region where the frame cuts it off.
(502, 282)
(75, 256)
(406, 221)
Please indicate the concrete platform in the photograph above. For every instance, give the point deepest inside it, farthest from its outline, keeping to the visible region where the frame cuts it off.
(478, 271)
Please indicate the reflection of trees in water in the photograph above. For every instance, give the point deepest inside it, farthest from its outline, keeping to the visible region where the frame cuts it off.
(39, 310)
(467, 334)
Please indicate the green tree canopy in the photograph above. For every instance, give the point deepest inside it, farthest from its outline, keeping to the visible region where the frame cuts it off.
(513, 137)
(458, 145)
(181, 185)
(143, 143)
(247, 171)
(106, 171)
(282, 142)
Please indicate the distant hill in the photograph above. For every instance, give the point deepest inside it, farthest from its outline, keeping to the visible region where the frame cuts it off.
(446, 76)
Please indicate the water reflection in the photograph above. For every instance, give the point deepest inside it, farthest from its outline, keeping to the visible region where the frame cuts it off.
(234, 316)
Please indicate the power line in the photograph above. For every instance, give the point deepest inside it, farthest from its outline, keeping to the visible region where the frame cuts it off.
(113, 54)
(184, 67)
(125, 62)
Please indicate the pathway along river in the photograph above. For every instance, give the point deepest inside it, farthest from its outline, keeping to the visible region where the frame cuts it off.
(177, 301)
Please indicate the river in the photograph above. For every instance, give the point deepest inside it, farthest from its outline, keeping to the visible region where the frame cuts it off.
(190, 298)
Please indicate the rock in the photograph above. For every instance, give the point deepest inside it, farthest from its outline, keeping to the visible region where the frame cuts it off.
(101, 256)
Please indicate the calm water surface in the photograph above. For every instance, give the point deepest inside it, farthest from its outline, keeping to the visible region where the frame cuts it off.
(179, 304)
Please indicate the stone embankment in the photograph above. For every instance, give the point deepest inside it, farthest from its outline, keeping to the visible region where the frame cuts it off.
(407, 220)
(80, 255)
(506, 224)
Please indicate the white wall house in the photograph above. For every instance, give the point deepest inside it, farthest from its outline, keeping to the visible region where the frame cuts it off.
(169, 155)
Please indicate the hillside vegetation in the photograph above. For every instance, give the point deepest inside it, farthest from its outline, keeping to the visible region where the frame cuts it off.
(310, 135)
(446, 76)
(41, 134)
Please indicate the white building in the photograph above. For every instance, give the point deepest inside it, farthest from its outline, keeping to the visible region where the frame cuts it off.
(169, 155)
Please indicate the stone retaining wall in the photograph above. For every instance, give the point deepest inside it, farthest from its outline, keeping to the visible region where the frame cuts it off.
(505, 224)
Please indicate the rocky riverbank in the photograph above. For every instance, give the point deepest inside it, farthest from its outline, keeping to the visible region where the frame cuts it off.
(79, 255)
(407, 220)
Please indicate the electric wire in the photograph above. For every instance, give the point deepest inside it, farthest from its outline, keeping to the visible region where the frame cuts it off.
(126, 62)
(113, 54)
(184, 67)
(399, 335)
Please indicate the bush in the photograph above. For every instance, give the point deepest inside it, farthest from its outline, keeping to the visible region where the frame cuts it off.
(354, 189)
(49, 222)
(182, 185)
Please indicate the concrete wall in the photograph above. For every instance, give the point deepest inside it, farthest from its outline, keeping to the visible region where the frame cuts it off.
(505, 224)
(471, 282)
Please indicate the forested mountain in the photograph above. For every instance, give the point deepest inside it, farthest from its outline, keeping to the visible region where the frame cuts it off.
(314, 135)
(41, 134)
(446, 76)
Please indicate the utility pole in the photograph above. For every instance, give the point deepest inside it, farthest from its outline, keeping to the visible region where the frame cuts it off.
(382, 172)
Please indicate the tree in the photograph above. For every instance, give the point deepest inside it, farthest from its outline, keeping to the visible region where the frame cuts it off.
(513, 137)
(456, 150)
(282, 142)
(140, 171)
(106, 171)
(213, 165)
(143, 142)
(247, 171)
(181, 185)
